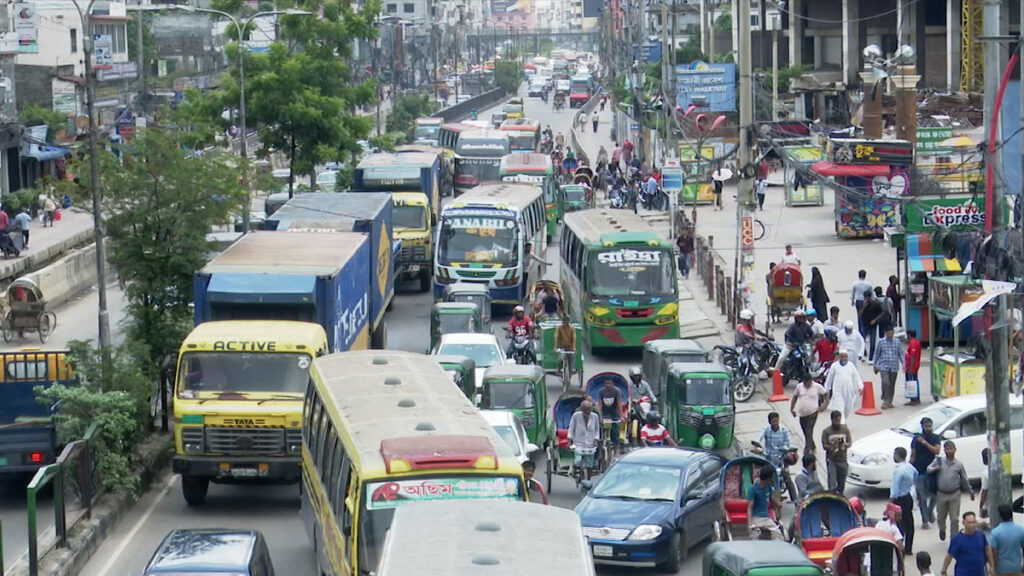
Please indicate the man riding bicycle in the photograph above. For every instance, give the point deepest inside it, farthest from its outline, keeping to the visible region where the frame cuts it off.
(610, 399)
(565, 343)
(520, 326)
(584, 434)
(654, 433)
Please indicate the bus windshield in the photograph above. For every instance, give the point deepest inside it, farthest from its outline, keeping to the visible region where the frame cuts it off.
(636, 272)
(522, 141)
(410, 216)
(241, 372)
(479, 239)
(707, 391)
(381, 499)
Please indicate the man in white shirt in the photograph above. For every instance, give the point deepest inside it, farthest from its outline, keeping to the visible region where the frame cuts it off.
(852, 341)
(844, 384)
(790, 257)
(890, 525)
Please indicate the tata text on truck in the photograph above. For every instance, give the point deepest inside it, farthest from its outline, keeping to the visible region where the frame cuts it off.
(324, 277)
(238, 398)
(413, 180)
(28, 433)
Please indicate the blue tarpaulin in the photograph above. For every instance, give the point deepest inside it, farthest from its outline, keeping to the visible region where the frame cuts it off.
(267, 288)
(44, 153)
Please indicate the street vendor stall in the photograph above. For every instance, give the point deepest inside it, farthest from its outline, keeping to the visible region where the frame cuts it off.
(954, 370)
(788, 148)
(801, 189)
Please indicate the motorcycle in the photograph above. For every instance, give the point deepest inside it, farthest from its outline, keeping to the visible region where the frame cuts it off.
(522, 350)
(798, 365)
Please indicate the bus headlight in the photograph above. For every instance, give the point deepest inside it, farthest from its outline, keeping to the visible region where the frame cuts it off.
(599, 311)
(664, 320)
(600, 321)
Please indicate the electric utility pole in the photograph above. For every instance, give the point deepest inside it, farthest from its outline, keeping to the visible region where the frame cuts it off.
(745, 169)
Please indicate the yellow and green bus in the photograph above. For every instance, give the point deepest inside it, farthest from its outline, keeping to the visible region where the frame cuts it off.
(523, 134)
(618, 278)
(238, 402)
(383, 429)
(535, 168)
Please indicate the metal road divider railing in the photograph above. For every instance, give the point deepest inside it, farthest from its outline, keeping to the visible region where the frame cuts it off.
(712, 269)
(75, 469)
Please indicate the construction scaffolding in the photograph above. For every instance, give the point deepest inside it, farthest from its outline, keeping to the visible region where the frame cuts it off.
(972, 64)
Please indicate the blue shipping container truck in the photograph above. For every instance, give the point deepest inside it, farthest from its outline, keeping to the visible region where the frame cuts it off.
(401, 172)
(341, 212)
(304, 276)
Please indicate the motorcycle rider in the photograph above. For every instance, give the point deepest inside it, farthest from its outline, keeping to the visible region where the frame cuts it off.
(746, 334)
(796, 336)
(520, 325)
(827, 349)
(547, 133)
(640, 386)
(653, 433)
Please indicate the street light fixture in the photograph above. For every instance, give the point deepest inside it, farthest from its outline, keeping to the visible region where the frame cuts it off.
(240, 26)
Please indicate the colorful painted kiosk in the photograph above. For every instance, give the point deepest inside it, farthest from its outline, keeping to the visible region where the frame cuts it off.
(803, 193)
(954, 370)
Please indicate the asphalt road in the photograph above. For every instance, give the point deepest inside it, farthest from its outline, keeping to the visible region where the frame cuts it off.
(274, 510)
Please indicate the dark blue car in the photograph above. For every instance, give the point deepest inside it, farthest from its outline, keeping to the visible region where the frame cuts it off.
(651, 506)
(213, 552)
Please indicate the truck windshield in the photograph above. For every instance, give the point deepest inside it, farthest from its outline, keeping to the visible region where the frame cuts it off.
(220, 372)
(381, 499)
(410, 216)
(714, 391)
(624, 272)
(480, 240)
(428, 132)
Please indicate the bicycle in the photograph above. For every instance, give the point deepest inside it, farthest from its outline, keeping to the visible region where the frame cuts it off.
(566, 361)
(580, 454)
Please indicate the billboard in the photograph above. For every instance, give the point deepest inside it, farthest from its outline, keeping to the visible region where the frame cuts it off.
(710, 87)
(26, 27)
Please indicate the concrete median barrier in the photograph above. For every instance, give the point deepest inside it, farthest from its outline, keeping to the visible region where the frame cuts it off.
(68, 277)
(11, 269)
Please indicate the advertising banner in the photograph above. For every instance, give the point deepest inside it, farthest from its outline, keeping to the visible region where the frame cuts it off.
(103, 49)
(26, 26)
(65, 96)
(710, 87)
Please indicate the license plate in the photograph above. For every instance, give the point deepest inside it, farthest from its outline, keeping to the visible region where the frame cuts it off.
(244, 472)
(603, 551)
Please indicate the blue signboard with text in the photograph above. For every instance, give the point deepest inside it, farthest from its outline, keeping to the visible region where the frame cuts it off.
(710, 87)
(648, 52)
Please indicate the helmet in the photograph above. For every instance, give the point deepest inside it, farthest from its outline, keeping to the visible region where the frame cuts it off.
(857, 505)
(810, 312)
(635, 371)
(653, 417)
(798, 313)
(518, 309)
(746, 314)
(831, 333)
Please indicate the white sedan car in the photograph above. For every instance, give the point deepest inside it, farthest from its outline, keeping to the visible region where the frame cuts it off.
(961, 419)
(483, 349)
(507, 425)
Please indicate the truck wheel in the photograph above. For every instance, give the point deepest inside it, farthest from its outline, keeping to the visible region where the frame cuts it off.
(425, 281)
(194, 489)
(379, 337)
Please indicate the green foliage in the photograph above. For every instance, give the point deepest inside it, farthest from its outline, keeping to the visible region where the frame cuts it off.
(546, 46)
(198, 118)
(388, 140)
(148, 41)
(32, 115)
(621, 93)
(407, 108)
(508, 74)
(789, 73)
(724, 21)
(27, 197)
(118, 404)
(690, 52)
(160, 203)
(724, 58)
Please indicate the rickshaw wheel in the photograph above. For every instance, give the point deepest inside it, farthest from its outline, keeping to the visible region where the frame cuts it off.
(47, 323)
(550, 468)
(7, 326)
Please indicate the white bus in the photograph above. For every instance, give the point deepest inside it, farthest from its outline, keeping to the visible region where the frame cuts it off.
(483, 237)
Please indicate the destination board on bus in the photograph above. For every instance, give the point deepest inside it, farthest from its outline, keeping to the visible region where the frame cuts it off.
(386, 495)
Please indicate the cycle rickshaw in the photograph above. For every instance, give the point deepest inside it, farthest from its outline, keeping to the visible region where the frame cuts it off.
(26, 311)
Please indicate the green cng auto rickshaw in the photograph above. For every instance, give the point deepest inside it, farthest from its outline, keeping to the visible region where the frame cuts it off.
(521, 389)
(547, 353)
(470, 292)
(658, 354)
(757, 558)
(698, 405)
(463, 372)
(454, 318)
(574, 197)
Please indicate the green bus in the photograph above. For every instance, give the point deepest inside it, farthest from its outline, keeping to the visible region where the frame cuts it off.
(618, 279)
(535, 168)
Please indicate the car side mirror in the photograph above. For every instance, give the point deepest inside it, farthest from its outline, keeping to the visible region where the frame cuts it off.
(586, 485)
(949, 434)
(531, 448)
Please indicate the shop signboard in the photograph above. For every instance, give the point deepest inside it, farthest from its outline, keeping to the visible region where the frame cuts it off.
(871, 151)
(710, 87)
(928, 140)
(26, 27)
(958, 212)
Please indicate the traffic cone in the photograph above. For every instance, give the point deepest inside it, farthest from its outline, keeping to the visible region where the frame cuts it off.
(867, 405)
(778, 395)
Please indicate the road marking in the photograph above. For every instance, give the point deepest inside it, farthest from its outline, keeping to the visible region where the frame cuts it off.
(138, 526)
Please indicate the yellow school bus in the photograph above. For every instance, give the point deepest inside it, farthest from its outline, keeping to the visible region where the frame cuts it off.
(238, 402)
(382, 429)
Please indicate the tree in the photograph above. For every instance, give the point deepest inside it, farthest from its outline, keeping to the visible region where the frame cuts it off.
(407, 108)
(690, 51)
(160, 202)
(148, 42)
(32, 115)
(508, 75)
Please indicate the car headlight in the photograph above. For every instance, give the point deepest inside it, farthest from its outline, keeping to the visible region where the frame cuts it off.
(646, 532)
(875, 459)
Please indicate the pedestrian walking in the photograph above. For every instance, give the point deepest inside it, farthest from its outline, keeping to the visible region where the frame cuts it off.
(924, 449)
(49, 210)
(5, 221)
(807, 481)
(760, 496)
(911, 364)
(903, 477)
(833, 320)
(924, 564)
(685, 244)
(808, 401)
(23, 221)
(983, 494)
(891, 524)
(874, 317)
(818, 295)
(887, 361)
(894, 295)
(857, 297)
(844, 385)
(852, 341)
(836, 440)
(970, 550)
(762, 191)
(1007, 542)
(950, 481)
(595, 119)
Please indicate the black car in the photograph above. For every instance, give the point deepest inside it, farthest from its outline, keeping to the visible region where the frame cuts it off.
(211, 551)
(497, 118)
(652, 506)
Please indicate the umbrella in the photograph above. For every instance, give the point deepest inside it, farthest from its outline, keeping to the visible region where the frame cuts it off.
(722, 174)
(963, 143)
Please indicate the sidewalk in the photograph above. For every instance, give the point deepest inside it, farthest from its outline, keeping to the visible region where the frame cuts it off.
(47, 244)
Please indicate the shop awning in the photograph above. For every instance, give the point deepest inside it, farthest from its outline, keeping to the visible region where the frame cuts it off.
(826, 168)
(44, 153)
(922, 257)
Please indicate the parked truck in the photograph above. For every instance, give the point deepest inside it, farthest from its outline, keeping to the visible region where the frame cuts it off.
(413, 180)
(371, 214)
(322, 277)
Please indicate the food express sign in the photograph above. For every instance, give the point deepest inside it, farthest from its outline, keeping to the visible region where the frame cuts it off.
(927, 215)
